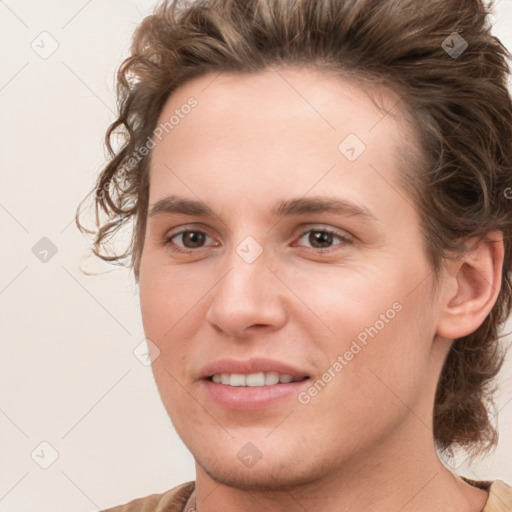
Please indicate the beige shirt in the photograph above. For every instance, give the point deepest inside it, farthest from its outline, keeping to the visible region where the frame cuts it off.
(174, 500)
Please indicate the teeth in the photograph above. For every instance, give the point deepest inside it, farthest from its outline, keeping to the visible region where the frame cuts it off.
(271, 378)
(235, 379)
(253, 379)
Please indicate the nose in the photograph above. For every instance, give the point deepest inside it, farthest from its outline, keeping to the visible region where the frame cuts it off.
(247, 298)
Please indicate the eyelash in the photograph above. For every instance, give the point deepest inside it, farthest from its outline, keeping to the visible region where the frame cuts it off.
(169, 240)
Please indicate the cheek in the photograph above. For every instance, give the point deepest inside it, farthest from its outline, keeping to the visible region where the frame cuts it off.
(345, 300)
(378, 370)
(162, 306)
(380, 331)
(386, 365)
(172, 313)
(161, 309)
(165, 298)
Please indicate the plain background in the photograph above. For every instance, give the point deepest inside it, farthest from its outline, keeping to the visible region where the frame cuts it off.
(68, 374)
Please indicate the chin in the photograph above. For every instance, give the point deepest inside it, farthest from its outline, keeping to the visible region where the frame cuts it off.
(266, 478)
(286, 470)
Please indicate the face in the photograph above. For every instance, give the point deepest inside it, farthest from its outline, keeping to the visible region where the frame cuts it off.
(289, 252)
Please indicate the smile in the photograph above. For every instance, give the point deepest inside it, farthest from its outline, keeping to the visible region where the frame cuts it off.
(254, 379)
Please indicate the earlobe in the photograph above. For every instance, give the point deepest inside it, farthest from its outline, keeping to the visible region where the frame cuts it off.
(472, 285)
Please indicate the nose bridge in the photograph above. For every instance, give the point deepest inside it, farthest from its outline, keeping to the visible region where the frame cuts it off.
(248, 277)
(248, 293)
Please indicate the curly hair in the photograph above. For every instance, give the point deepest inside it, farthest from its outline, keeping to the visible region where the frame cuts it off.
(451, 74)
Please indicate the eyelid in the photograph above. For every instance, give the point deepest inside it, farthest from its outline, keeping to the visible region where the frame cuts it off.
(168, 238)
(343, 235)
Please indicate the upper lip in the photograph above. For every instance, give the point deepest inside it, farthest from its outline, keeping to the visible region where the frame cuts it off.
(248, 366)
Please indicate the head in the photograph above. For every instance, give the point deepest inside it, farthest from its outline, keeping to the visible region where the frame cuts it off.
(361, 102)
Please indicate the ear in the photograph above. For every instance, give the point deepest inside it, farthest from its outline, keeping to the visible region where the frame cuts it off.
(471, 286)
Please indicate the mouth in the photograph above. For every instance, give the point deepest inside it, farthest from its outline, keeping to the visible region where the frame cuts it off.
(251, 384)
(254, 379)
(249, 392)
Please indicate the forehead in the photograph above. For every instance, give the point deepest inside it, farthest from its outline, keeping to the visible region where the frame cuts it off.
(281, 128)
(280, 96)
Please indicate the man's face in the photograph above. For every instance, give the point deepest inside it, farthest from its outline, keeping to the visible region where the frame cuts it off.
(340, 300)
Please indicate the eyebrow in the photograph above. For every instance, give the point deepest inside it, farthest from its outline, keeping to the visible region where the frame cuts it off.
(282, 208)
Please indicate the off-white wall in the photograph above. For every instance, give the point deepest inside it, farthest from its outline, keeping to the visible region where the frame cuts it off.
(68, 376)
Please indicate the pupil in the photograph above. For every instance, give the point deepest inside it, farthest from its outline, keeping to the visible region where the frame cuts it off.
(193, 237)
(321, 237)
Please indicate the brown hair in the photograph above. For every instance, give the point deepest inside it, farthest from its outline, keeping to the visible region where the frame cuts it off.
(459, 102)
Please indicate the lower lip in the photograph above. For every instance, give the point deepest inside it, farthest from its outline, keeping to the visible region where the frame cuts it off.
(248, 398)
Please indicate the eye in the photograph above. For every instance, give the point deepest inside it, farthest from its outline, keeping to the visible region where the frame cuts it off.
(191, 240)
(322, 238)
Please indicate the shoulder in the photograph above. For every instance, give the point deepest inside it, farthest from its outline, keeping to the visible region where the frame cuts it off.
(500, 497)
(172, 500)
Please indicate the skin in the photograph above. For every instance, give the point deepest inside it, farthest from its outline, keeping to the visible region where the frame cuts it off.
(365, 442)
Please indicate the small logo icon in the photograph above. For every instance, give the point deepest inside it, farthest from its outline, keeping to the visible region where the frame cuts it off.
(44, 455)
(44, 250)
(249, 455)
(352, 147)
(45, 45)
(249, 250)
(454, 45)
(508, 193)
(146, 352)
(455, 456)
